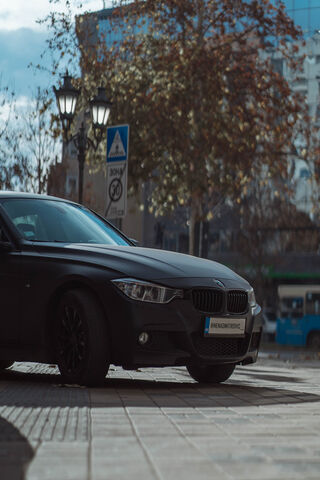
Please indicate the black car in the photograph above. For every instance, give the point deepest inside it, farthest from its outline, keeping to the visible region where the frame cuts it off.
(76, 292)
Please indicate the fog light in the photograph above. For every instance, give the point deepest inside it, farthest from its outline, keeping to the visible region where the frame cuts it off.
(143, 338)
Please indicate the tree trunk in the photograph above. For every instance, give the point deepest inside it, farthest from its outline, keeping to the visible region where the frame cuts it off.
(200, 239)
(192, 223)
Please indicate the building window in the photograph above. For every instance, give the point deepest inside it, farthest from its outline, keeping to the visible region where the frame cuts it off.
(304, 173)
(71, 184)
(277, 64)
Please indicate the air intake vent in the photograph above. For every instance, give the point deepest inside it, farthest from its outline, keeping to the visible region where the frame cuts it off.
(209, 301)
(220, 347)
(237, 301)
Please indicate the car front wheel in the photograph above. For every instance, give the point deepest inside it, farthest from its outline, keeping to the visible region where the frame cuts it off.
(211, 373)
(81, 339)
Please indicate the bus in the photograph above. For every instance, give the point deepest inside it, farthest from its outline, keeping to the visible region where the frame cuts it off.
(298, 322)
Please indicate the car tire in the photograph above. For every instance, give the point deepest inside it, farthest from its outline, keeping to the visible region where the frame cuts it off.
(314, 341)
(5, 364)
(81, 339)
(211, 373)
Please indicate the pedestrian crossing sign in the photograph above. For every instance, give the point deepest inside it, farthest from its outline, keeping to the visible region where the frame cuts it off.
(117, 143)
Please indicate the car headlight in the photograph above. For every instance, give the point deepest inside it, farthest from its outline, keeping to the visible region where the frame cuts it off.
(145, 291)
(251, 298)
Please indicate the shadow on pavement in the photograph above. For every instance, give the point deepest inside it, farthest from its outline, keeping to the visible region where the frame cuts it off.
(45, 390)
(15, 452)
(271, 377)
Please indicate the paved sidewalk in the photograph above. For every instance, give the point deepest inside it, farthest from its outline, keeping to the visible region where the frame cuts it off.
(288, 353)
(158, 424)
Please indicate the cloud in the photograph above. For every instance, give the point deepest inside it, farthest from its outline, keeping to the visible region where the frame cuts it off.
(17, 49)
(16, 14)
(22, 40)
(21, 104)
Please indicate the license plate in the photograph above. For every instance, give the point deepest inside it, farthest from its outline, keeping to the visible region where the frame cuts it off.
(225, 326)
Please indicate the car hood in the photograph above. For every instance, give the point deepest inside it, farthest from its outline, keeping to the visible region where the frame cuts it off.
(170, 268)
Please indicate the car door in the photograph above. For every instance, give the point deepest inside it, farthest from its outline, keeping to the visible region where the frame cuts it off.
(10, 289)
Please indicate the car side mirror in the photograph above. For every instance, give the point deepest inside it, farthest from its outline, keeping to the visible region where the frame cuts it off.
(134, 241)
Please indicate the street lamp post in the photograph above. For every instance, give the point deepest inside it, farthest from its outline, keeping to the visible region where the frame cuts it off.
(67, 97)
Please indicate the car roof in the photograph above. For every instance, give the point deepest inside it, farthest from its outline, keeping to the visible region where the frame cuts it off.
(12, 194)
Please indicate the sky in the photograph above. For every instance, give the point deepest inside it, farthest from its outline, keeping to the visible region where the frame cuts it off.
(22, 41)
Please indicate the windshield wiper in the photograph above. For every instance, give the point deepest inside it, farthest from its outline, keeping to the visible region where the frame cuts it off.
(47, 241)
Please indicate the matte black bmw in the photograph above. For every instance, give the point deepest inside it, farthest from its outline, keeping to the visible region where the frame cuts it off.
(75, 291)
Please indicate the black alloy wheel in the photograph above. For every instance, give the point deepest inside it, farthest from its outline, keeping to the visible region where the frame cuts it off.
(211, 373)
(73, 340)
(82, 345)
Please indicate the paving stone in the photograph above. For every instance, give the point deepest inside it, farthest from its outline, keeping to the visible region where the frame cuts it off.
(160, 425)
(120, 459)
(191, 469)
(52, 461)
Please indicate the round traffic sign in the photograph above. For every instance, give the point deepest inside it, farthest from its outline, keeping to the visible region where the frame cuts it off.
(115, 190)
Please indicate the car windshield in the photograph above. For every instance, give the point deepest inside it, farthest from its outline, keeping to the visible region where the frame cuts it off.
(42, 220)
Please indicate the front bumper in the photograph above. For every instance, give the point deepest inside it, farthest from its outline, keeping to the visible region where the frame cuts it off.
(176, 336)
